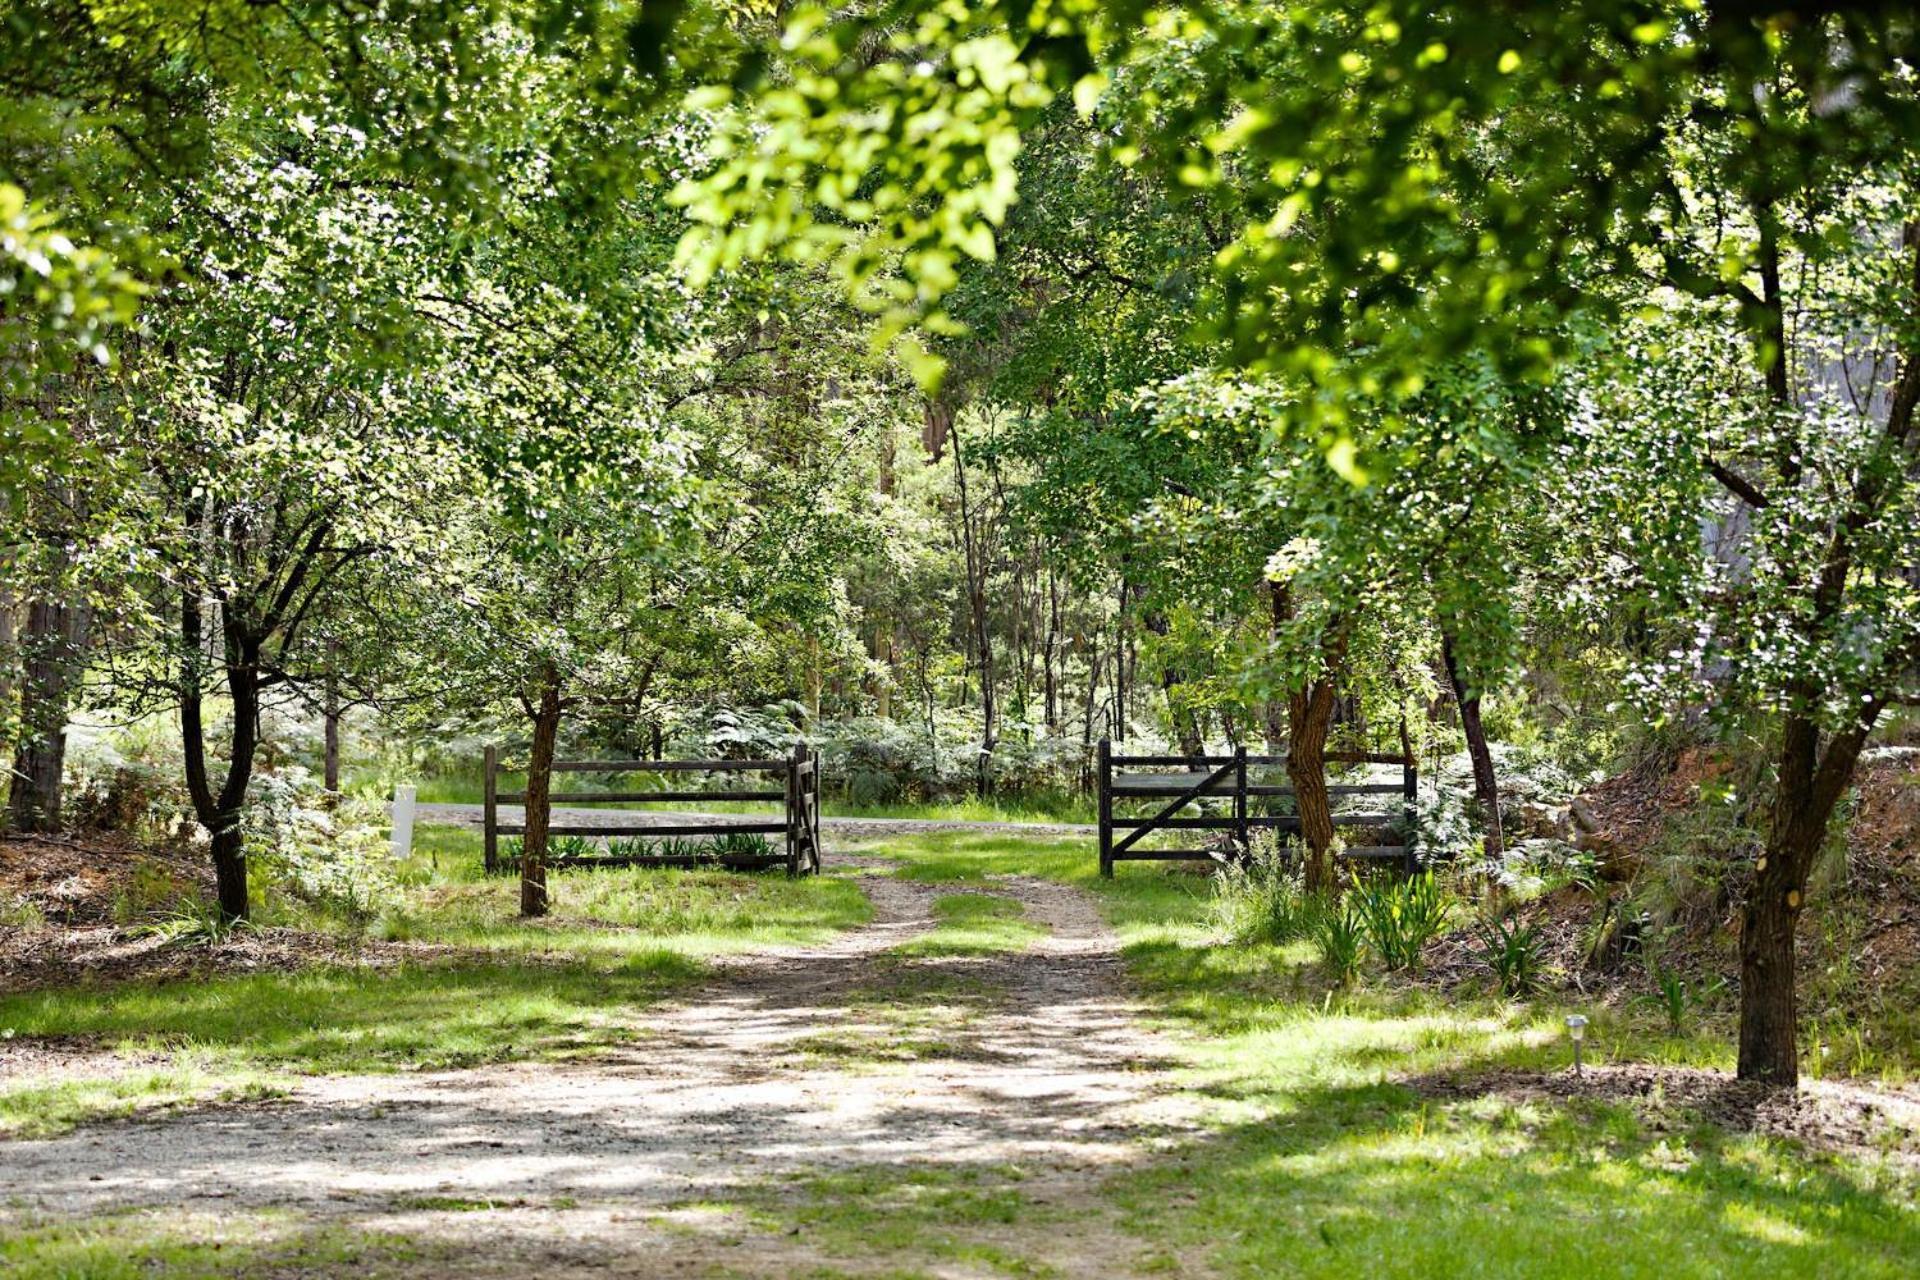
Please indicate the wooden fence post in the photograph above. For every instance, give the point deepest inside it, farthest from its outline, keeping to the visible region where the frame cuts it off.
(813, 811)
(490, 765)
(1240, 798)
(1410, 792)
(794, 816)
(1105, 768)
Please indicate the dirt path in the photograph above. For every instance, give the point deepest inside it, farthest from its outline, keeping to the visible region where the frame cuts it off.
(809, 1109)
(469, 815)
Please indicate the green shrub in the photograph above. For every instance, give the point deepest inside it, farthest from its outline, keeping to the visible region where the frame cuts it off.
(1399, 917)
(741, 844)
(332, 856)
(631, 847)
(1675, 997)
(1338, 929)
(1262, 899)
(152, 887)
(1513, 951)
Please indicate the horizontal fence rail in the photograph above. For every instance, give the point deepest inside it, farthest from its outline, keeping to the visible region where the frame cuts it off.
(797, 792)
(1225, 777)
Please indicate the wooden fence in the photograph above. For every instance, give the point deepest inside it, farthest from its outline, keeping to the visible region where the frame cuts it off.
(796, 787)
(1226, 777)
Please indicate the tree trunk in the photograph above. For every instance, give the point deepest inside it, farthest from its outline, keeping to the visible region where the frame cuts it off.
(533, 841)
(977, 570)
(220, 812)
(330, 715)
(1809, 787)
(1048, 651)
(1486, 787)
(9, 669)
(1309, 716)
(56, 636)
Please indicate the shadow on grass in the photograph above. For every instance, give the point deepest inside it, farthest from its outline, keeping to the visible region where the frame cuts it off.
(1379, 1180)
(343, 1019)
(135, 1246)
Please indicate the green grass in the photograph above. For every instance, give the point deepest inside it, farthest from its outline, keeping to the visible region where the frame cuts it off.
(973, 924)
(974, 857)
(182, 1076)
(1326, 1149)
(1323, 1156)
(135, 1246)
(483, 986)
(941, 1217)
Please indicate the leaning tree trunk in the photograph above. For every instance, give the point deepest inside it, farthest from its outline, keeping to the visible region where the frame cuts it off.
(533, 841)
(1486, 787)
(55, 638)
(1809, 787)
(1309, 718)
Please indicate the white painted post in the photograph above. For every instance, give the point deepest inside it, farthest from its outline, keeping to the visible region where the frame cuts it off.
(402, 821)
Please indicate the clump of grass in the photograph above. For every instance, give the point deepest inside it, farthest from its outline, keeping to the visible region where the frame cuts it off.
(560, 850)
(1338, 930)
(192, 922)
(742, 844)
(1400, 916)
(1262, 899)
(1513, 950)
(1677, 998)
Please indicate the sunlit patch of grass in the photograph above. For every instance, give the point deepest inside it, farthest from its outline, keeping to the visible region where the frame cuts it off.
(969, 857)
(350, 1019)
(30, 1109)
(138, 1245)
(488, 987)
(1327, 1154)
(1325, 1151)
(610, 911)
(973, 924)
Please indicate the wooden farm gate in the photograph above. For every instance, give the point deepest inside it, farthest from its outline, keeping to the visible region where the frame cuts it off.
(1225, 777)
(796, 786)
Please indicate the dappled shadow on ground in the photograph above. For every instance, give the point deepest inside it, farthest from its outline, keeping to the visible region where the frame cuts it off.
(1438, 1178)
(789, 1066)
(1837, 1117)
(910, 1098)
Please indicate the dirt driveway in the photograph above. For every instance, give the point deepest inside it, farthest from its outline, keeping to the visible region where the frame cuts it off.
(867, 1106)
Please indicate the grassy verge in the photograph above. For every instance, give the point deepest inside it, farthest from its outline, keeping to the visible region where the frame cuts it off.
(1333, 1151)
(132, 1246)
(475, 984)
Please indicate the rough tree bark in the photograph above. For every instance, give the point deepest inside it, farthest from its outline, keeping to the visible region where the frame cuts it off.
(1309, 717)
(1486, 786)
(220, 811)
(1049, 649)
(545, 708)
(1811, 783)
(51, 647)
(330, 714)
